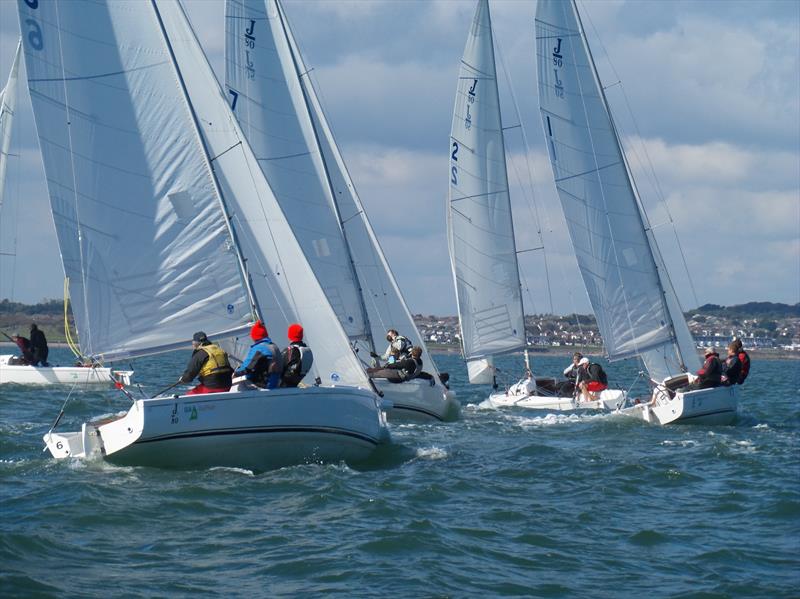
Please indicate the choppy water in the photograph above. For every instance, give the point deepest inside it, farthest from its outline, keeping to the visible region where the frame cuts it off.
(501, 503)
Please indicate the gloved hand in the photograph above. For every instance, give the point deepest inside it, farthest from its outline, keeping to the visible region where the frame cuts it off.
(692, 377)
(372, 354)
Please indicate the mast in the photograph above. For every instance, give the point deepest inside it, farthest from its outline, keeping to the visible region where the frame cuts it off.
(331, 190)
(639, 206)
(254, 307)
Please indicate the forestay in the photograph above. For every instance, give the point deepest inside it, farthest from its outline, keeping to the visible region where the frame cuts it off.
(600, 207)
(159, 34)
(8, 101)
(378, 295)
(480, 228)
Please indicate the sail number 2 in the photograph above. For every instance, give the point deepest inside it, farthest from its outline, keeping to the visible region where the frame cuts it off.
(471, 95)
(35, 33)
(454, 168)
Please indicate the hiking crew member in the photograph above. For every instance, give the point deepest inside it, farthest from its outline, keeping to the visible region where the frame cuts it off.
(210, 362)
(399, 346)
(710, 375)
(591, 379)
(263, 365)
(39, 347)
(297, 357)
(731, 367)
(405, 369)
(24, 345)
(567, 388)
(744, 360)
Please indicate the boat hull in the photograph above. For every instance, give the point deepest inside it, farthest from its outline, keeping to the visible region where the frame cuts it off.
(255, 429)
(417, 401)
(60, 375)
(715, 406)
(608, 400)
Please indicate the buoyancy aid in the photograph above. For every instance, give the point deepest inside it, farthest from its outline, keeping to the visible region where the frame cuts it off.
(298, 368)
(744, 359)
(401, 344)
(217, 362)
(596, 373)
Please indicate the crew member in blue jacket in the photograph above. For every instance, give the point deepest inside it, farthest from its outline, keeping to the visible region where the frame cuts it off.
(263, 364)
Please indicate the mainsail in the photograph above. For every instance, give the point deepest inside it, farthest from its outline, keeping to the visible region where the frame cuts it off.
(636, 309)
(8, 100)
(480, 228)
(157, 196)
(280, 113)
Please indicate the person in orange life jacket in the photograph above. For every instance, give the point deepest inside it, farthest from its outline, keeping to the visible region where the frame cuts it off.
(404, 369)
(590, 379)
(263, 364)
(210, 363)
(297, 357)
(24, 345)
(710, 374)
(38, 346)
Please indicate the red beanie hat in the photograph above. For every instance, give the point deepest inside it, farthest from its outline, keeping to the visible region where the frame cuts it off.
(258, 331)
(295, 333)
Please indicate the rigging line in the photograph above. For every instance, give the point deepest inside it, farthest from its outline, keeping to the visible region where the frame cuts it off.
(478, 195)
(531, 203)
(225, 151)
(654, 175)
(88, 328)
(298, 155)
(541, 247)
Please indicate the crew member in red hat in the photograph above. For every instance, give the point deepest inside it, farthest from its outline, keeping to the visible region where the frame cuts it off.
(297, 357)
(263, 364)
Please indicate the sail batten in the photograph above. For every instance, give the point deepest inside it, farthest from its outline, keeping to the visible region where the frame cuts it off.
(483, 253)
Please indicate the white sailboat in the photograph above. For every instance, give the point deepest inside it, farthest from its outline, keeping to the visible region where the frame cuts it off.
(628, 285)
(12, 370)
(278, 109)
(168, 226)
(481, 232)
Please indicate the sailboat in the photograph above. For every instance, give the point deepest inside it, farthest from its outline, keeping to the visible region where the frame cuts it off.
(167, 226)
(276, 104)
(483, 251)
(637, 309)
(12, 369)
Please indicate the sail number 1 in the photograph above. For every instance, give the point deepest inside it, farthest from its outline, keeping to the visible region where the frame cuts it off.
(35, 38)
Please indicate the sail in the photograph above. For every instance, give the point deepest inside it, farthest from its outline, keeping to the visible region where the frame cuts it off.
(269, 101)
(142, 235)
(600, 206)
(377, 293)
(8, 100)
(480, 229)
(281, 277)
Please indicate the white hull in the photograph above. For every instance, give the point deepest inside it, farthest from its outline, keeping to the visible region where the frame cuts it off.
(60, 375)
(416, 400)
(609, 399)
(255, 429)
(715, 406)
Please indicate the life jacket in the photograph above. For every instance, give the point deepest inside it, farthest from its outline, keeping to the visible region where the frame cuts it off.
(745, 370)
(297, 369)
(217, 362)
(402, 345)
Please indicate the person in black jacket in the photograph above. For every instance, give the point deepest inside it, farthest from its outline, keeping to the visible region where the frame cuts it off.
(405, 369)
(591, 379)
(297, 357)
(39, 347)
(731, 367)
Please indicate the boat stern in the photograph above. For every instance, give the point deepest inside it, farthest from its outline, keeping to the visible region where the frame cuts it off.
(73, 445)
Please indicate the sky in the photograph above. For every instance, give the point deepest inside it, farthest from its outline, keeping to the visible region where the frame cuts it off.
(706, 96)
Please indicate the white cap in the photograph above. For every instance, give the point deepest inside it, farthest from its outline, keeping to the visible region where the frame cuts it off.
(583, 361)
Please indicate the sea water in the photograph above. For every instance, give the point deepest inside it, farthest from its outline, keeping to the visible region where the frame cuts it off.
(503, 502)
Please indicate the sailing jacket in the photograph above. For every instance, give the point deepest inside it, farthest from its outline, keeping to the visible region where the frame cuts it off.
(409, 367)
(263, 364)
(731, 369)
(210, 363)
(710, 375)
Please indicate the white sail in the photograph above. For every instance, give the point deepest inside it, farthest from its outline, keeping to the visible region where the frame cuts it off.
(263, 62)
(599, 203)
(8, 100)
(151, 67)
(143, 238)
(480, 229)
(269, 101)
